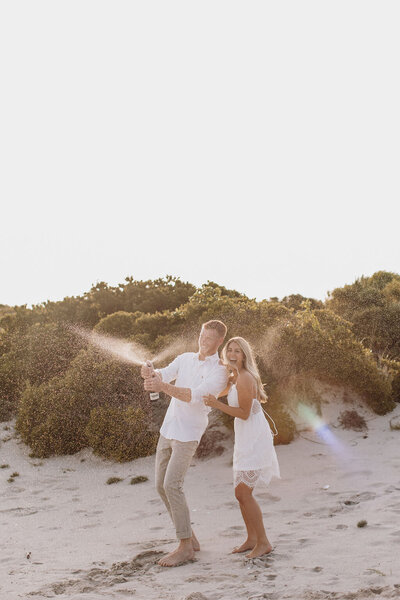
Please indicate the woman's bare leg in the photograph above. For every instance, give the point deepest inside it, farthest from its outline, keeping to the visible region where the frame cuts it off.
(252, 516)
(251, 540)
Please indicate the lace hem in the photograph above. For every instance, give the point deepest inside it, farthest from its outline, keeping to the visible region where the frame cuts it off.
(249, 478)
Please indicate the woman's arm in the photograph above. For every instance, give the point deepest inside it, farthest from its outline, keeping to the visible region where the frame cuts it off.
(233, 375)
(245, 389)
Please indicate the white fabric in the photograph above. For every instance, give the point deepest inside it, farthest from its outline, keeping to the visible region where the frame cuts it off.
(254, 456)
(186, 421)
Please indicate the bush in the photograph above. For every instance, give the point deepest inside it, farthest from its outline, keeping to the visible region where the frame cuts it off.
(50, 419)
(53, 416)
(120, 434)
(351, 419)
(391, 368)
(320, 345)
(43, 352)
(120, 324)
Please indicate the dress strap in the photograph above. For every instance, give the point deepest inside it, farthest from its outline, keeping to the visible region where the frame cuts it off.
(269, 416)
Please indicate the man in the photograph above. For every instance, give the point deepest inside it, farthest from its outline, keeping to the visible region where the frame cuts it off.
(195, 375)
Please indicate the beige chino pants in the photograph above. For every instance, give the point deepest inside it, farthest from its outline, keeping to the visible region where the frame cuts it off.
(172, 461)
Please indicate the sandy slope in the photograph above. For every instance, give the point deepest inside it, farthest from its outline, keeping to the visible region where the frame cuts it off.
(91, 540)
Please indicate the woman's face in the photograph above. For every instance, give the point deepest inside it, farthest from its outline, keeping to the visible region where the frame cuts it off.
(235, 355)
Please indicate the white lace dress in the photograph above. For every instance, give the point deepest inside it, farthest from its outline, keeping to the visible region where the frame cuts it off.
(254, 456)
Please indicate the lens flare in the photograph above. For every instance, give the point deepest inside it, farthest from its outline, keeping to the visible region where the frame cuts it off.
(322, 429)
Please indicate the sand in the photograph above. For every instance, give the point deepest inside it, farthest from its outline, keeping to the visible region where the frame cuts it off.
(65, 533)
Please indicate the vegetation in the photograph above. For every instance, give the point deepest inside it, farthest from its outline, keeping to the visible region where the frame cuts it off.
(362, 523)
(112, 480)
(66, 395)
(351, 419)
(139, 479)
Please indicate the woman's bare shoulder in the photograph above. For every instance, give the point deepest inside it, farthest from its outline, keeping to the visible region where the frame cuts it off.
(245, 379)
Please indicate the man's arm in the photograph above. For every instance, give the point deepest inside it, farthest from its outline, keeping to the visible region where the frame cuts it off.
(213, 384)
(156, 384)
(168, 373)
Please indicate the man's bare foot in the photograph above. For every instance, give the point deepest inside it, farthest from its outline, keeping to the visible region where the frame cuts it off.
(260, 550)
(247, 545)
(182, 554)
(195, 543)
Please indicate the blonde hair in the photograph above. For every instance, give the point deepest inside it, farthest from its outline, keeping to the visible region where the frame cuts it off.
(217, 326)
(249, 363)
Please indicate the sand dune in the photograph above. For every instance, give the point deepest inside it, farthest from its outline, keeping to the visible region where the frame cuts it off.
(65, 533)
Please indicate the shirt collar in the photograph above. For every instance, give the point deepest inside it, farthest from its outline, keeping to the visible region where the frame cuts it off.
(212, 358)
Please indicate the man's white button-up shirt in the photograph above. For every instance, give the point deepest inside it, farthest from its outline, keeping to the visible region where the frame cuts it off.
(186, 421)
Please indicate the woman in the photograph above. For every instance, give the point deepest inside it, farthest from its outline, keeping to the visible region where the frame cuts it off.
(254, 456)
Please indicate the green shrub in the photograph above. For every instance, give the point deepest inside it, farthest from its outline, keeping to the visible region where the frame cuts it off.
(317, 344)
(120, 324)
(139, 479)
(42, 352)
(112, 480)
(391, 368)
(50, 419)
(53, 416)
(120, 434)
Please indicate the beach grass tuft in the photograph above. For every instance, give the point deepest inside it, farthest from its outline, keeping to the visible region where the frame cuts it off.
(362, 523)
(139, 479)
(351, 419)
(112, 480)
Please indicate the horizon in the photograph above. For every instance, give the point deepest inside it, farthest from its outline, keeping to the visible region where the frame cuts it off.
(191, 282)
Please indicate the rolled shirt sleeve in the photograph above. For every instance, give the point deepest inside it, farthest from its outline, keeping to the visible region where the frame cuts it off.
(170, 372)
(213, 384)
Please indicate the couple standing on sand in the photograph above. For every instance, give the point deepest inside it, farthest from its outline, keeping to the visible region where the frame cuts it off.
(199, 379)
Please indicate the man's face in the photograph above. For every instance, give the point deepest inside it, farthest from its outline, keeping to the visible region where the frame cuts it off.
(209, 341)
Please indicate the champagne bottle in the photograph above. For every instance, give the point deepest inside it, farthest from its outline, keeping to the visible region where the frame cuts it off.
(153, 395)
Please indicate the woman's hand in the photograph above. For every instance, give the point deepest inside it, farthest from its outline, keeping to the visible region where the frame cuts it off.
(233, 374)
(210, 400)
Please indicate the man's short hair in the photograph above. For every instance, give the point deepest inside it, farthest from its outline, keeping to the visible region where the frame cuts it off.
(218, 326)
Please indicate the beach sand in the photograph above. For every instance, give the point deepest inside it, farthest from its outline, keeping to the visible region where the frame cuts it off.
(65, 533)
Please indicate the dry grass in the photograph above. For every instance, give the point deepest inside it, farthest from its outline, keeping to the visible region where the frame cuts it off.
(139, 479)
(112, 480)
(351, 419)
(362, 523)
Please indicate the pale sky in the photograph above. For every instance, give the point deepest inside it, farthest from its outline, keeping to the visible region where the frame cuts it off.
(252, 143)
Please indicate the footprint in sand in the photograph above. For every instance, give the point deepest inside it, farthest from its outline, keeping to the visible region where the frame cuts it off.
(20, 511)
(303, 541)
(230, 504)
(96, 578)
(271, 497)
(232, 531)
(353, 474)
(154, 544)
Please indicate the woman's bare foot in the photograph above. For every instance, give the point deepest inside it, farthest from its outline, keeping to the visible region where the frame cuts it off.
(260, 549)
(195, 542)
(182, 554)
(247, 545)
